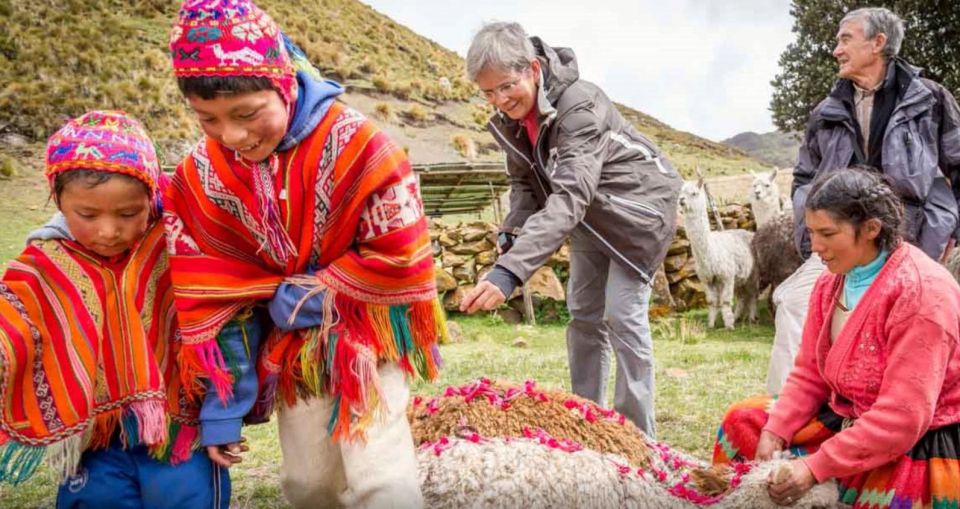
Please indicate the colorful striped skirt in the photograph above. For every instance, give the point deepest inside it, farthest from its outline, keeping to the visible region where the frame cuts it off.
(928, 475)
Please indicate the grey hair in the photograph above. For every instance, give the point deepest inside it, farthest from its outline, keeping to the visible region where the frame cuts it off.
(879, 20)
(500, 45)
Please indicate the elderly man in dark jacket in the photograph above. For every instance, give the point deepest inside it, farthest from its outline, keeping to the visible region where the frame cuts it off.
(882, 114)
(577, 169)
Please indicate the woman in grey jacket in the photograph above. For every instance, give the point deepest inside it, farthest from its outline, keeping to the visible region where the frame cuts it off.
(577, 169)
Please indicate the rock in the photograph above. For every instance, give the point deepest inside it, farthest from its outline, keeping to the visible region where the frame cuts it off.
(688, 270)
(492, 238)
(434, 234)
(678, 246)
(471, 234)
(453, 298)
(445, 281)
(466, 272)
(561, 258)
(487, 257)
(483, 271)
(471, 248)
(519, 343)
(437, 224)
(455, 234)
(13, 140)
(661, 289)
(482, 225)
(452, 260)
(510, 315)
(446, 240)
(454, 331)
(690, 293)
(673, 263)
(545, 283)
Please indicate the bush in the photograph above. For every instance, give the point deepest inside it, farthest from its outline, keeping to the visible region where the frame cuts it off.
(464, 145)
(417, 113)
(383, 111)
(382, 84)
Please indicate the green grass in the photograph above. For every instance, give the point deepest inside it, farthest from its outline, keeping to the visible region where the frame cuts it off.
(699, 373)
(23, 203)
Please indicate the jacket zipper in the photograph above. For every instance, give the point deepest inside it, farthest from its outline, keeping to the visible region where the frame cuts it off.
(640, 207)
(643, 275)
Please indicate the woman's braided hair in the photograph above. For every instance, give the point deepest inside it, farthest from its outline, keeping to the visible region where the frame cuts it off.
(857, 194)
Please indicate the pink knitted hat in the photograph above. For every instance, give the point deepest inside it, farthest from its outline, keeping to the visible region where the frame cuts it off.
(108, 141)
(230, 38)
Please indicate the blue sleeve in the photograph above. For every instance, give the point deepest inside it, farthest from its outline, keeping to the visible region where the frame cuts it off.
(220, 422)
(286, 300)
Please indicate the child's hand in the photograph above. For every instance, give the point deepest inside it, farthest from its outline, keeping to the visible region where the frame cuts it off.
(227, 455)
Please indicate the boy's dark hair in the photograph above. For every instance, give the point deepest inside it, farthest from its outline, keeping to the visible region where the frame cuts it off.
(209, 87)
(856, 195)
(90, 178)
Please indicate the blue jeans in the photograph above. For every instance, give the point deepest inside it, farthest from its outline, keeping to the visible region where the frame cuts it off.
(131, 479)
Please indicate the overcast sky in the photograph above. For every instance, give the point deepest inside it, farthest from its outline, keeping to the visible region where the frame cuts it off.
(702, 66)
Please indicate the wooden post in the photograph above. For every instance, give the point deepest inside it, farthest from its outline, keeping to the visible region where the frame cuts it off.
(528, 316)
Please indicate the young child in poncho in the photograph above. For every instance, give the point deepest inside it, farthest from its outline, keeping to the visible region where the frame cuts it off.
(89, 335)
(301, 263)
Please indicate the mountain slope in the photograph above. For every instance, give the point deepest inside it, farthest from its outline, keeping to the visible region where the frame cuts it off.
(60, 58)
(774, 148)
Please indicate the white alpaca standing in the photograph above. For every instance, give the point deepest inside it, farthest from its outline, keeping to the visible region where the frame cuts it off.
(725, 263)
(765, 197)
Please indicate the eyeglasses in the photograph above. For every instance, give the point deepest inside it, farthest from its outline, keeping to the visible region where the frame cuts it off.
(503, 89)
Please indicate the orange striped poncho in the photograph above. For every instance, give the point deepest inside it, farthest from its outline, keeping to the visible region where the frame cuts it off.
(350, 209)
(88, 349)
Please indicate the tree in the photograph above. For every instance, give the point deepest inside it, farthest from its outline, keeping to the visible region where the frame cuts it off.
(808, 69)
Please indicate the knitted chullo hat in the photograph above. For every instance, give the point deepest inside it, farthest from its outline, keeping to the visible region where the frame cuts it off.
(231, 38)
(108, 141)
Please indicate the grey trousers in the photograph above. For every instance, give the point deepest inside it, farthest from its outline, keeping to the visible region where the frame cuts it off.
(609, 307)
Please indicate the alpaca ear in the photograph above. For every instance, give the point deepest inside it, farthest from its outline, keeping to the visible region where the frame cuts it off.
(752, 174)
(773, 174)
(701, 183)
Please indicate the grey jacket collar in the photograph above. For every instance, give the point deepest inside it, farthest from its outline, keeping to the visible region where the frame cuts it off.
(558, 70)
(916, 97)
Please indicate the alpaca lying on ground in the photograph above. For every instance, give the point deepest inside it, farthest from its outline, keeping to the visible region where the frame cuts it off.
(488, 445)
(772, 246)
(724, 261)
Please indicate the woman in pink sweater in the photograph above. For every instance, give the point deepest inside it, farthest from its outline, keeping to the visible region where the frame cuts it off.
(873, 400)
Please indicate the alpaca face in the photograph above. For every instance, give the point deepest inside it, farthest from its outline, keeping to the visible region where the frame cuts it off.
(764, 189)
(692, 198)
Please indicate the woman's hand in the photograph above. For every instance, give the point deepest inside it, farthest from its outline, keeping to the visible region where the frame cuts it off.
(485, 296)
(768, 445)
(798, 481)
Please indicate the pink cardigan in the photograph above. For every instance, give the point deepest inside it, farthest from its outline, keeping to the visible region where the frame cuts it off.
(894, 367)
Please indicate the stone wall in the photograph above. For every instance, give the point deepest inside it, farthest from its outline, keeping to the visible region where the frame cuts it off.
(466, 251)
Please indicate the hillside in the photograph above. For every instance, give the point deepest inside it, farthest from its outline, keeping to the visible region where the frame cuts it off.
(774, 148)
(60, 58)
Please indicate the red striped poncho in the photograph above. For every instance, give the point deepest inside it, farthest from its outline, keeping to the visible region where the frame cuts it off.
(349, 205)
(88, 348)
